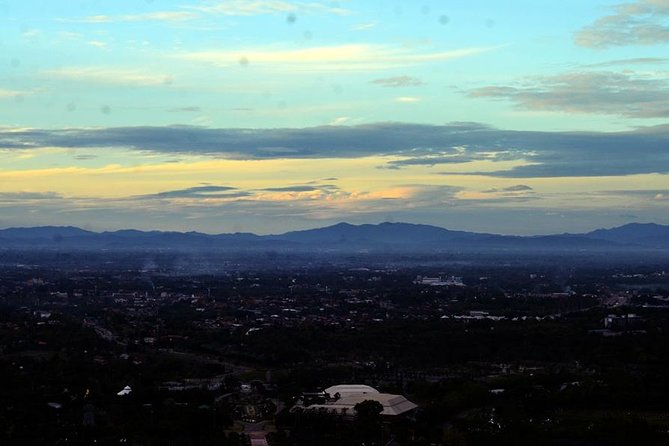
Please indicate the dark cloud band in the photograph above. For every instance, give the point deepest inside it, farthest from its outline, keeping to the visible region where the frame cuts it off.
(546, 154)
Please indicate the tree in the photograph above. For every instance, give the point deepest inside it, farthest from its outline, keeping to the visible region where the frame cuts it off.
(368, 411)
(368, 419)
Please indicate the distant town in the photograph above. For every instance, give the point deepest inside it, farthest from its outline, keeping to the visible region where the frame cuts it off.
(462, 353)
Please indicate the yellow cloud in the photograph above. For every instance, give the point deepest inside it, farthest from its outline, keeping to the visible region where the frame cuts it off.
(407, 99)
(350, 57)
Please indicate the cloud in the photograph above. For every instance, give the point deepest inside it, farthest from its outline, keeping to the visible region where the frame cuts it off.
(647, 194)
(28, 196)
(207, 191)
(31, 33)
(109, 76)
(398, 81)
(629, 94)
(644, 22)
(516, 188)
(262, 7)
(433, 160)
(533, 153)
(626, 62)
(364, 26)
(97, 43)
(163, 16)
(4, 94)
(159, 16)
(220, 7)
(407, 99)
(302, 188)
(190, 109)
(85, 157)
(315, 202)
(340, 120)
(352, 57)
(291, 189)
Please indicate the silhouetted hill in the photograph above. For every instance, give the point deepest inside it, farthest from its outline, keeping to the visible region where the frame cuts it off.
(340, 237)
(645, 234)
(386, 233)
(43, 232)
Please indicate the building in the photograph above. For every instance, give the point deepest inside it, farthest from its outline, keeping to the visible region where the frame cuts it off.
(342, 399)
(439, 281)
(624, 322)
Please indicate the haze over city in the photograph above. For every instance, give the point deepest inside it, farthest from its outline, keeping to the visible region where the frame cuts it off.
(270, 116)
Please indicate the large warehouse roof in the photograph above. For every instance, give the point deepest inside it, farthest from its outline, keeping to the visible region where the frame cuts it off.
(350, 389)
(352, 394)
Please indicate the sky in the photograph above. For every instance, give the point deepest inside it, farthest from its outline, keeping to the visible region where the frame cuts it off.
(517, 117)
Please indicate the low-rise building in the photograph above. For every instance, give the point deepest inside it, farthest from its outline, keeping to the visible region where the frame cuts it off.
(343, 398)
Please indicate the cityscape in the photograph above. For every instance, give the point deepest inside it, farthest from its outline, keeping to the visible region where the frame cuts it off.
(284, 348)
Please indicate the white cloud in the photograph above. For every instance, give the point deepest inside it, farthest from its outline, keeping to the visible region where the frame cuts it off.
(30, 33)
(364, 26)
(226, 8)
(407, 99)
(336, 57)
(165, 16)
(398, 81)
(340, 120)
(6, 94)
(10, 93)
(160, 16)
(97, 43)
(260, 7)
(110, 76)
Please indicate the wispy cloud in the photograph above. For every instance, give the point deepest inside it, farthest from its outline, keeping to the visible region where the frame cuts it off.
(31, 33)
(513, 189)
(4, 93)
(407, 99)
(364, 26)
(340, 120)
(159, 16)
(336, 57)
(24, 196)
(302, 188)
(644, 22)
(627, 62)
(188, 109)
(206, 191)
(220, 7)
(97, 43)
(261, 7)
(648, 194)
(110, 76)
(630, 94)
(433, 160)
(398, 81)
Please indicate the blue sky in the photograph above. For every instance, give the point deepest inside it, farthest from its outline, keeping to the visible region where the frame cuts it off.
(268, 115)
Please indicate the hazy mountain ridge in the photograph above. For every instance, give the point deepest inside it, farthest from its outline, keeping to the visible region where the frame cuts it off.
(342, 237)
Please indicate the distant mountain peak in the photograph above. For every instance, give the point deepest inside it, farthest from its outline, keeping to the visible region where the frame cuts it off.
(341, 236)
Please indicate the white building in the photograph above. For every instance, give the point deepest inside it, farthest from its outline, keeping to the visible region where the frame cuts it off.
(343, 398)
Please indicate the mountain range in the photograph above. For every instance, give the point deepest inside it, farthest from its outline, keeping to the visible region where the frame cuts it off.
(343, 237)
